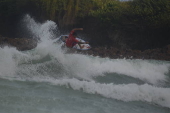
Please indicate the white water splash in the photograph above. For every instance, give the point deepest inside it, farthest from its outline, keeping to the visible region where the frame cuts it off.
(49, 63)
(125, 92)
(77, 65)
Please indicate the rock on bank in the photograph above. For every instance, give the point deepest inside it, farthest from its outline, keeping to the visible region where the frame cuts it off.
(114, 53)
(111, 52)
(20, 43)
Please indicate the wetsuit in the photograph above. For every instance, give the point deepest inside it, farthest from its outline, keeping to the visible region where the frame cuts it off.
(71, 40)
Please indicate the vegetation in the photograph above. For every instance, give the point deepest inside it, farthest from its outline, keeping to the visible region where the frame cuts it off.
(154, 13)
(113, 14)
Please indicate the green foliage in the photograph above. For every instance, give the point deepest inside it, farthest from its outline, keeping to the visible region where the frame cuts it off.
(154, 13)
(67, 10)
(112, 13)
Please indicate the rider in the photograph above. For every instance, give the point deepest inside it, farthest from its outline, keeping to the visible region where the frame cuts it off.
(72, 41)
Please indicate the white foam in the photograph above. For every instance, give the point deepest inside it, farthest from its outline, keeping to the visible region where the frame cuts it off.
(141, 69)
(87, 67)
(18, 65)
(43, 31)
(81, 66)
(124, 92)
(7, 65)
(77, 65)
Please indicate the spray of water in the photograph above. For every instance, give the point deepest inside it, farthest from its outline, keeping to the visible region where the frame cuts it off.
(49, 63)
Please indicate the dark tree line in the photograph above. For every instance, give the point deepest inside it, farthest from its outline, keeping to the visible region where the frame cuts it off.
(146, 21)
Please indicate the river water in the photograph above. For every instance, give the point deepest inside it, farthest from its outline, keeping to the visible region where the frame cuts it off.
(47, 79)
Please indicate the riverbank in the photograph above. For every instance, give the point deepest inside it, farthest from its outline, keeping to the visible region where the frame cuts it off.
(20, 44)
(23, 44)
(114, 53)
